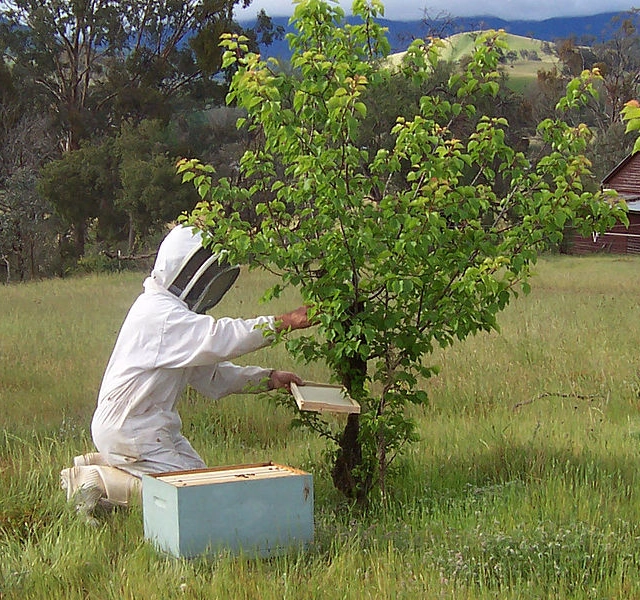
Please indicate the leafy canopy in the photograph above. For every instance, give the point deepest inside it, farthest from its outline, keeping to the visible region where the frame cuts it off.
(401, 250)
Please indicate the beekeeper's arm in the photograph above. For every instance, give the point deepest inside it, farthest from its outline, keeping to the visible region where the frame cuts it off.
(192, 340)
(228, 378)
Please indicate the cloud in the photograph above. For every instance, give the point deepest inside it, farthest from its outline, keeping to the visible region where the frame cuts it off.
(405, 10)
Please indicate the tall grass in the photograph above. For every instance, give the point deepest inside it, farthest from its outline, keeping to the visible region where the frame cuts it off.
(523, 484)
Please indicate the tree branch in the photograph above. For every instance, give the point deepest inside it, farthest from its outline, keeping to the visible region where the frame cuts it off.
(557, 395)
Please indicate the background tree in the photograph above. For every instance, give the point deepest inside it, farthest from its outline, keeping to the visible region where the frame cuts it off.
(400, 250)
(30, 245)
(150, 194)
(81, 186)
(29, 233)
(574, 57)
(91, 56)
(543, 95)
(125, 187)
(617, 60)
(94, 64)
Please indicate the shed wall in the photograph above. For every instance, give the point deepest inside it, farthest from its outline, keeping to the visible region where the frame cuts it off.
(618, 240)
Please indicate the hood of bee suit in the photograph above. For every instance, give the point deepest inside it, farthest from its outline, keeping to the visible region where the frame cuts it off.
(192, 272)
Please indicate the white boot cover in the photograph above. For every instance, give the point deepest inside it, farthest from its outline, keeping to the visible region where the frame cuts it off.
(90, 485)
(121, 487)
(84, 486)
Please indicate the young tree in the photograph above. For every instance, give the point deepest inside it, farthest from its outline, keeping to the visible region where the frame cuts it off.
(631, 116)
(415, 246)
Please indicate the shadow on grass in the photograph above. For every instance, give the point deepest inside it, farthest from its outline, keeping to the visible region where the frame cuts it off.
(505, 473)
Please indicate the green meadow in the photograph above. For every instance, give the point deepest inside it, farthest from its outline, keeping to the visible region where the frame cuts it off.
(524, 483)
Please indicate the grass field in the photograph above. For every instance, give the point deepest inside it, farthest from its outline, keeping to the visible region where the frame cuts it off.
(524, 483)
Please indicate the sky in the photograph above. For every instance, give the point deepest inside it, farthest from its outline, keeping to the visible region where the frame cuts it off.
(409, 10)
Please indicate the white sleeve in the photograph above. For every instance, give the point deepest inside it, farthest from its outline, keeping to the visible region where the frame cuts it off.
(192, 340)
(227, 378)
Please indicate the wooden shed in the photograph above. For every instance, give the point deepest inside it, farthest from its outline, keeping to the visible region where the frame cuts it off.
(624, 179)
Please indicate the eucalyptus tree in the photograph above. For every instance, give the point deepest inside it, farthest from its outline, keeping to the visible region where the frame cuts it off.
(400, 249)
(29, 232)
(95, 64)
(89, 56)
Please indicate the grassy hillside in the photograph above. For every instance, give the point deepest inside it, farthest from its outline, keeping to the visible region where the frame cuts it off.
(524, 483)
(521, 71)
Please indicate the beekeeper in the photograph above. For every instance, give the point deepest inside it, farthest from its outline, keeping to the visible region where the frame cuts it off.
(166, 343)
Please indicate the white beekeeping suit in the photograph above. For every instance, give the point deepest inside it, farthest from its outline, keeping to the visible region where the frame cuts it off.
(165, 344)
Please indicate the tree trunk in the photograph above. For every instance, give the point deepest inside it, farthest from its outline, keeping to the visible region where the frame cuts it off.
(348, 459)
(349, 474)
(32, 258)
(8, 265)
(132, 235)
(79, 232)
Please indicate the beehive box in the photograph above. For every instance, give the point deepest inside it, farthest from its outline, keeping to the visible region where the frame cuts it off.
(260, 509)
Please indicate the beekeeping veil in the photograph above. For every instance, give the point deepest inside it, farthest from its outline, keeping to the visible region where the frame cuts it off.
(192, 272)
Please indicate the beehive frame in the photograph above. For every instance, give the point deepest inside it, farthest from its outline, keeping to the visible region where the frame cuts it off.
(324, 397)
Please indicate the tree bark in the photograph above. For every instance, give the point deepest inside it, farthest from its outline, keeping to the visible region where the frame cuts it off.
(348, 473)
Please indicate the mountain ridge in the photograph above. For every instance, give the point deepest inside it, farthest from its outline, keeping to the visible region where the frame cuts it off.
(585, 29)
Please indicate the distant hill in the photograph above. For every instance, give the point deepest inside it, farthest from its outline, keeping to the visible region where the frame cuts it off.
(584, 29)
(530, 55)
